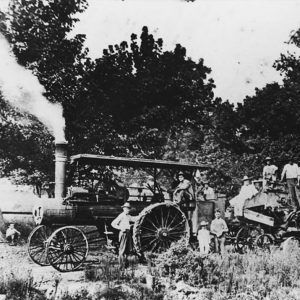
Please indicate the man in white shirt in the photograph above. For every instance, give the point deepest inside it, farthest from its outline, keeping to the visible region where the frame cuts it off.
(247, 191)
(218, 228)
(291, 173)
(269, 173)
(123, 223)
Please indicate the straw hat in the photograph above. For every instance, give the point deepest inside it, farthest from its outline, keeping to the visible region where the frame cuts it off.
(126, 204)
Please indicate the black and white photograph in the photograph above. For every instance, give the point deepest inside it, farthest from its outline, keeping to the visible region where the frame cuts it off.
(149, 149)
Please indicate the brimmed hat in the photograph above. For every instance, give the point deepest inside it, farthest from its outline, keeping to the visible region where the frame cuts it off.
(180, 173)
(268, 158)
(203, 223)
(245, 178)
(126, 204)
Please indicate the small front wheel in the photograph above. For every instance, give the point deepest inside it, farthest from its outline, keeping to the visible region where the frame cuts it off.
(37, 244)
(67, 249)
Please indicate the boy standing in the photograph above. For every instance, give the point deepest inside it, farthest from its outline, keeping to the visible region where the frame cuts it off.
(203, 237)
(123, 223)
(219, 227)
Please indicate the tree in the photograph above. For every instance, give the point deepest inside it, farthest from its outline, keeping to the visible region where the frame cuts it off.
(140, 96)
(38, 32)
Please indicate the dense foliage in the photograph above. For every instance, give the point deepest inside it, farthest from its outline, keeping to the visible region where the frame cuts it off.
(137, 99)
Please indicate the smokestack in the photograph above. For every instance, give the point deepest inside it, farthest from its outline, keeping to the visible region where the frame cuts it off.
(60, 168)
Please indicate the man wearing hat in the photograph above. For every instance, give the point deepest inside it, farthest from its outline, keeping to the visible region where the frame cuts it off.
(208, 192)
(182, 191)
(123, 223)
(203, 237)
(291, 173)
(247, 191)
(269, 173)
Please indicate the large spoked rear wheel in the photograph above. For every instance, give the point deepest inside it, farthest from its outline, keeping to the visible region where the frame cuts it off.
(67, 249)
(37, 242)
(158, 226)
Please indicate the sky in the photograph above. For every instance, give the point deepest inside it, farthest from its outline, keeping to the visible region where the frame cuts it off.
(238, 39)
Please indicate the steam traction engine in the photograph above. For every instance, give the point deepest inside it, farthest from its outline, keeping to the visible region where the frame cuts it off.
(60, 238)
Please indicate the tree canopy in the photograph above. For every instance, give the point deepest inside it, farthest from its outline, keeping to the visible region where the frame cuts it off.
(137, 99)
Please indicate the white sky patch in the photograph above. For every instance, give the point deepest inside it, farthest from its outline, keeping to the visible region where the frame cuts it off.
(238, 39)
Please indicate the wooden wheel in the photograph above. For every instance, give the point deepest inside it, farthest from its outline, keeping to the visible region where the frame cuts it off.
(67, 249)
(158, 226)
(264, 241)
(246, 237)
(37, 242)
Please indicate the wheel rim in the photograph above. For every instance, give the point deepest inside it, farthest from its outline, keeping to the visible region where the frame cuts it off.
(158, 226)
(67, 249)
(37, 244)
(245, 238)
(264, 241)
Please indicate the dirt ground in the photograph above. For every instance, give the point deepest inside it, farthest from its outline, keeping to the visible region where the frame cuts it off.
(15, 261)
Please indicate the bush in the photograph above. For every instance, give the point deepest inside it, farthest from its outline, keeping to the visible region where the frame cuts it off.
(253, 275)
(181, 262)
(19, 288)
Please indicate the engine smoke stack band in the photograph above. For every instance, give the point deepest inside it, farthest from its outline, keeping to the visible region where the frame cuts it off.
(60, 168)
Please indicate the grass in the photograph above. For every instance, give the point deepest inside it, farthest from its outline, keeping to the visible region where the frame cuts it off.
(19, 287)
(270, 274)
(258, 273)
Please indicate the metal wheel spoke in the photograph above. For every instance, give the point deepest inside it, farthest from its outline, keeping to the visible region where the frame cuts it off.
(162, 224)
(144, 227)
(76, 257)
(178, 225)
(67, 249)
(167, 218)
(157, 221)
(37, 245)
(176, 233)
(162, 217)
(175, 217)
(151, 223)
(149, 235)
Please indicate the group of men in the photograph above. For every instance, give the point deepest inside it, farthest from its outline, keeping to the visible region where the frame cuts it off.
(290, 174)
(196, 189)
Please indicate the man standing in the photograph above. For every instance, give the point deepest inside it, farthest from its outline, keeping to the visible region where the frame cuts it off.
(123, 223)
(291, 173)
(218, 228)
(197, 187)
(208, 192)
(269, 173)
